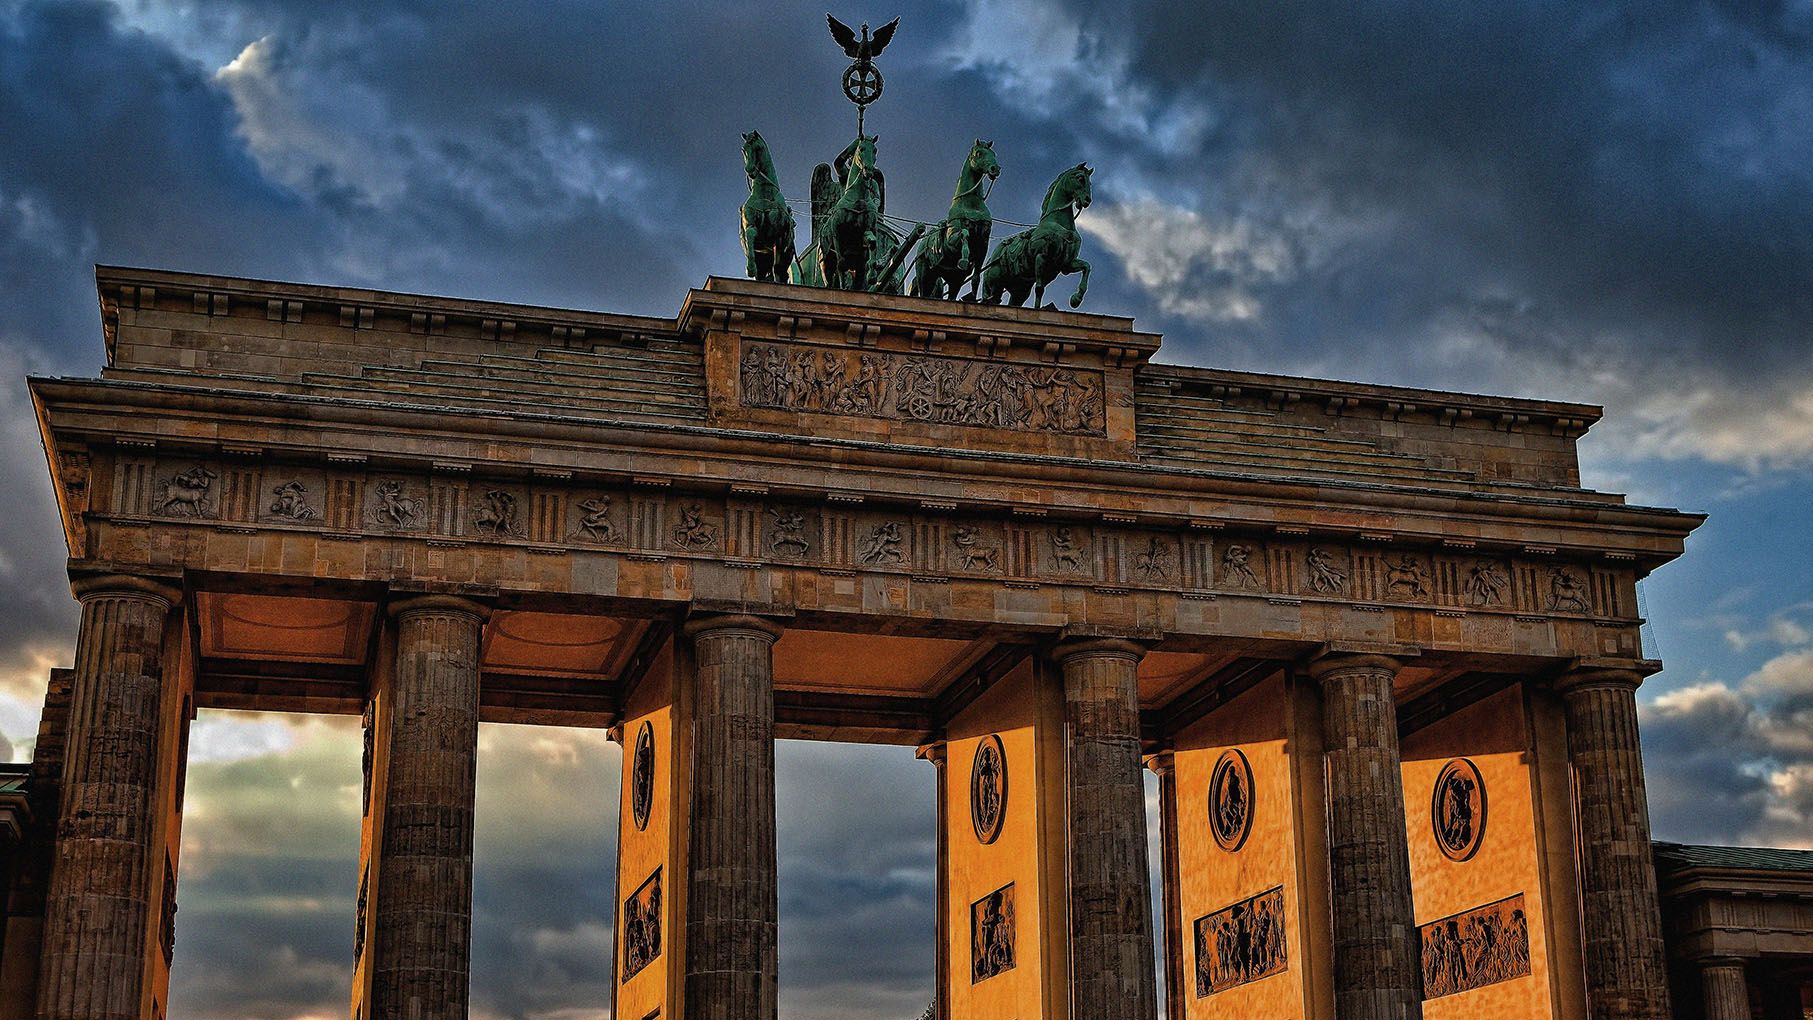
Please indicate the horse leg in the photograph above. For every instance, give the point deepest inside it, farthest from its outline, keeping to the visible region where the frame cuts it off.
(749, 250)
(1082, 287)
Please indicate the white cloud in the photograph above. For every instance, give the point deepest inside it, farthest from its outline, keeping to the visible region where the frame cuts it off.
(1046, 62)
(1209, 270)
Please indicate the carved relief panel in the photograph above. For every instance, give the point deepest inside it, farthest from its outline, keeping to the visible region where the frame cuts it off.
(991, 934)
(642, 927)
(923, 388)
(1240, 943)
(1475, 948)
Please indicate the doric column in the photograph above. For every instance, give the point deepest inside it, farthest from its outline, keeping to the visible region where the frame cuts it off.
(98, 909)
(422, 906)
(1626, 972)
(731, 901)
(1726, 993)
(1111, 968)
(941, 960)
(1377, 974)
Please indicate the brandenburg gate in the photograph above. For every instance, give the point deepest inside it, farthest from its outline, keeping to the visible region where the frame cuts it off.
(1378, 644)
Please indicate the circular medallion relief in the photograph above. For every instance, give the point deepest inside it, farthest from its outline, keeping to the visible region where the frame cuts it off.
(988, 788)
(1457, 810)
(1231, 800)
(642, 776)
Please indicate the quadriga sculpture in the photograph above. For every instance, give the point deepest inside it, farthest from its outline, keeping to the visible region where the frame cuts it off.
(1029, 260)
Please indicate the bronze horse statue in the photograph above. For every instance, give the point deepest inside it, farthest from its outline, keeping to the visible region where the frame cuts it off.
(767, 222)
(956, 247)
(1032, 258)
(848, 200)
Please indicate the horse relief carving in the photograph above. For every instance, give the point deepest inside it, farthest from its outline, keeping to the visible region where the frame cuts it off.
(694, 531)
(991, 934)
(496, 513)
(1567, 593)
(1065, 553)
(394, 509)
(1325, 574)
(187, 494)
(1154, 564)
(972, 553)
(1406, 579)
(947, 391)
(642, 927)
(789, 535)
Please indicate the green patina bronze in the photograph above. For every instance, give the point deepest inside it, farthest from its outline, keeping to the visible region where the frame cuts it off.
(848, 233)
(767, 222)
(854, 247)
(1029, 260)
(956, 246)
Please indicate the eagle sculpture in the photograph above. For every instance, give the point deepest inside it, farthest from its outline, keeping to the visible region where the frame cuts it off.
(866, 48)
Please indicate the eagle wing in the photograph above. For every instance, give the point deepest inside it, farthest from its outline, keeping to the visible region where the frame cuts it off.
(880, 39)
(845, 37)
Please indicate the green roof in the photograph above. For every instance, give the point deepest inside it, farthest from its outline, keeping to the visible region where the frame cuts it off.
(1675, 856)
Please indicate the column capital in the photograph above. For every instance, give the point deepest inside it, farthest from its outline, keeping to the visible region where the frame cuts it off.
(447, 605)
(1161, 763)
(936, 752)
(126, 586)
(1597, 678)
(1712, 962)
(1102, 648)
(1332, 662)
(759, 626)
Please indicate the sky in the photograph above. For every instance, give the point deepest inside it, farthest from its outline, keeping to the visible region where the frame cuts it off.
(1604, 202)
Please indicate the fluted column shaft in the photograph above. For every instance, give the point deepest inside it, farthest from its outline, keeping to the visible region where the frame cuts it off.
(1377, 975)
(422, 909)
(1111, 964)
(99, 903)
(731, 902)
(1626, 970)
(1727, 995)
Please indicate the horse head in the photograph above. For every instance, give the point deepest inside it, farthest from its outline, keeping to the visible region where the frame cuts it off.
(982, 160)
(1070, 190)
(757, 162)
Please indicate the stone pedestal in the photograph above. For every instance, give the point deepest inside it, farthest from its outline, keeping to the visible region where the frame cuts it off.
(1626, 973)
(422, 904)
(98, 910)
(1727, 996)
(1111, 960)
(1376, 969)
(731, 901)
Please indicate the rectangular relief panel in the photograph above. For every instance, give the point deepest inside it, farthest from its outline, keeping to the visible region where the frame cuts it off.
(642, 926)
(1475, 838)
(1241, 943)
(991, 935)
(1476, 948)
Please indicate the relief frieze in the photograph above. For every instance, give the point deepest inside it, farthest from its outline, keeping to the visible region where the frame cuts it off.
(1024, 549)
(924, 388)
(1475, 948)
(1240, 944)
